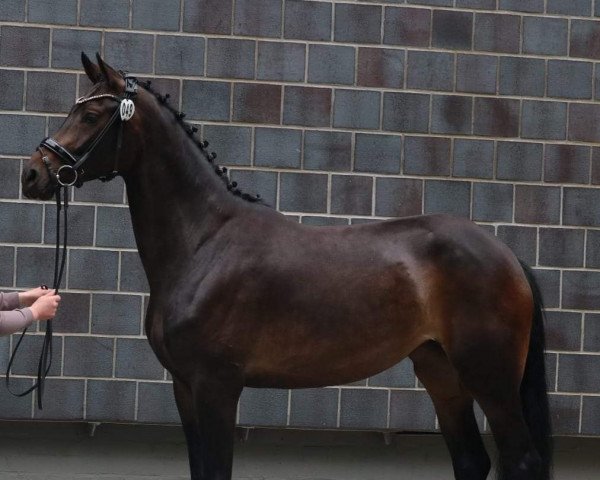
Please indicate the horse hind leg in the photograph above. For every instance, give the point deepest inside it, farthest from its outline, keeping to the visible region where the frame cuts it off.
(454, 408)
(491, 370)
(518, 458)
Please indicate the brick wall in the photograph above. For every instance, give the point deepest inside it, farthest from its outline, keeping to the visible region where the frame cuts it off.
(336, 112)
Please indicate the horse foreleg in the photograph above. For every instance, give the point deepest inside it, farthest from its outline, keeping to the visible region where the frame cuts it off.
(454, 408)
(183, 399)
(208, 409)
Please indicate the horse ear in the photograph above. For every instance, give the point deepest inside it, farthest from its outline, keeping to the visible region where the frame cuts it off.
(109, 73)
(91, 69)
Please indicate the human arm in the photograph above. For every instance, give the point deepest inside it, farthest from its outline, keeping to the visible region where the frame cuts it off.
(44, 308)
(13, 300)
(15, 320)
(27, 299)
(9, 301)
(12, 322)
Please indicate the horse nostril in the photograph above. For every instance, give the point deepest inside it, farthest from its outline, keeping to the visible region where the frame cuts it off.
(31, 175)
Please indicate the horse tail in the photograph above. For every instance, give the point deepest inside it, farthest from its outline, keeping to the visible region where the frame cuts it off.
(534, 392)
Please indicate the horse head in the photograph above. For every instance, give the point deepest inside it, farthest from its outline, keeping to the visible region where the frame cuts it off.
(91, 143)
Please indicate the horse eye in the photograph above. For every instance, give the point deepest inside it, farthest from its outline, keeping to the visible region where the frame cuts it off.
(90, 118)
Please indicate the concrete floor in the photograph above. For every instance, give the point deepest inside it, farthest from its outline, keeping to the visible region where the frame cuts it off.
(68, 452)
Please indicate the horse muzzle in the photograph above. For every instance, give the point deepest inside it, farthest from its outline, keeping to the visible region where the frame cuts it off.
(36, 181)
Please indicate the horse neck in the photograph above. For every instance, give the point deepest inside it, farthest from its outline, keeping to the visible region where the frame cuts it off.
(177, 201)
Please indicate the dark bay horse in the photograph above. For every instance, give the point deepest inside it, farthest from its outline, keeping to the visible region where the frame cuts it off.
(241, 296)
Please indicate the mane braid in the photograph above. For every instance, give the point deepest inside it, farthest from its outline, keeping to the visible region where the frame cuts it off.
(203, 145)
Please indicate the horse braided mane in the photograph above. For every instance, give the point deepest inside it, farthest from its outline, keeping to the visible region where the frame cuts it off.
(191, 130)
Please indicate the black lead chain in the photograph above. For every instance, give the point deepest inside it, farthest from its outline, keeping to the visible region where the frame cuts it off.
(45, 362)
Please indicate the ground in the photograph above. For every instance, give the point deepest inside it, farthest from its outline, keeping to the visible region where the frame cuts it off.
(54, 451)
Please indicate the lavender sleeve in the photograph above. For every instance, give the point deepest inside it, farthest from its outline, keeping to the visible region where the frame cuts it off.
(15, 320)
(9, 301)
(12, 322)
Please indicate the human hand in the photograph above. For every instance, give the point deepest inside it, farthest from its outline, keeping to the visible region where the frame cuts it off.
(27, 298)
(44, 308)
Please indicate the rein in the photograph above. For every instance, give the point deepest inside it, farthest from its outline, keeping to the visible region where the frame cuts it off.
(69, 174)
(45, 361)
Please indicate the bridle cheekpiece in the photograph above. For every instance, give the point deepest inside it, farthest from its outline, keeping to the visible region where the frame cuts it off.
(70, 172)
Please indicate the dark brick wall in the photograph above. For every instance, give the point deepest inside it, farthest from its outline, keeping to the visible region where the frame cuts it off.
(337, 113)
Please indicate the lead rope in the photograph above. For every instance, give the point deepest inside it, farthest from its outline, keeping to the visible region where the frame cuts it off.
(45, 362)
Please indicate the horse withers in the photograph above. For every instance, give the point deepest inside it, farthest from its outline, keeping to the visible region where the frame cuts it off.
(240, 296)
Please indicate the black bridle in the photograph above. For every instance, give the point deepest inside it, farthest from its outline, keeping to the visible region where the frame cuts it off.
(69, 174)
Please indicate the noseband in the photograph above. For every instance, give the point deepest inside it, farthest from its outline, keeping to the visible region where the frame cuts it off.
(69, 174)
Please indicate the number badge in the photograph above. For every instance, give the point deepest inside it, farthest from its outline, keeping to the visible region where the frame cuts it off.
(127, 109)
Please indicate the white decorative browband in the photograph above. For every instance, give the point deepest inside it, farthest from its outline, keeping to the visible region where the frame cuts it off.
(81, 100)
(126, 108)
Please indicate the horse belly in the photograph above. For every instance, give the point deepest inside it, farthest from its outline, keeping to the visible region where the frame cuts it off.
(339, 351)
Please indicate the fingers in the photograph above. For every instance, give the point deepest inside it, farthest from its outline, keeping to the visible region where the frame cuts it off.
(46, 306)
(52, 299)
(35, 293)
(49, 298)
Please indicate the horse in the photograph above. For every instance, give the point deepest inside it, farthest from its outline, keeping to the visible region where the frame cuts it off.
(242, 296)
